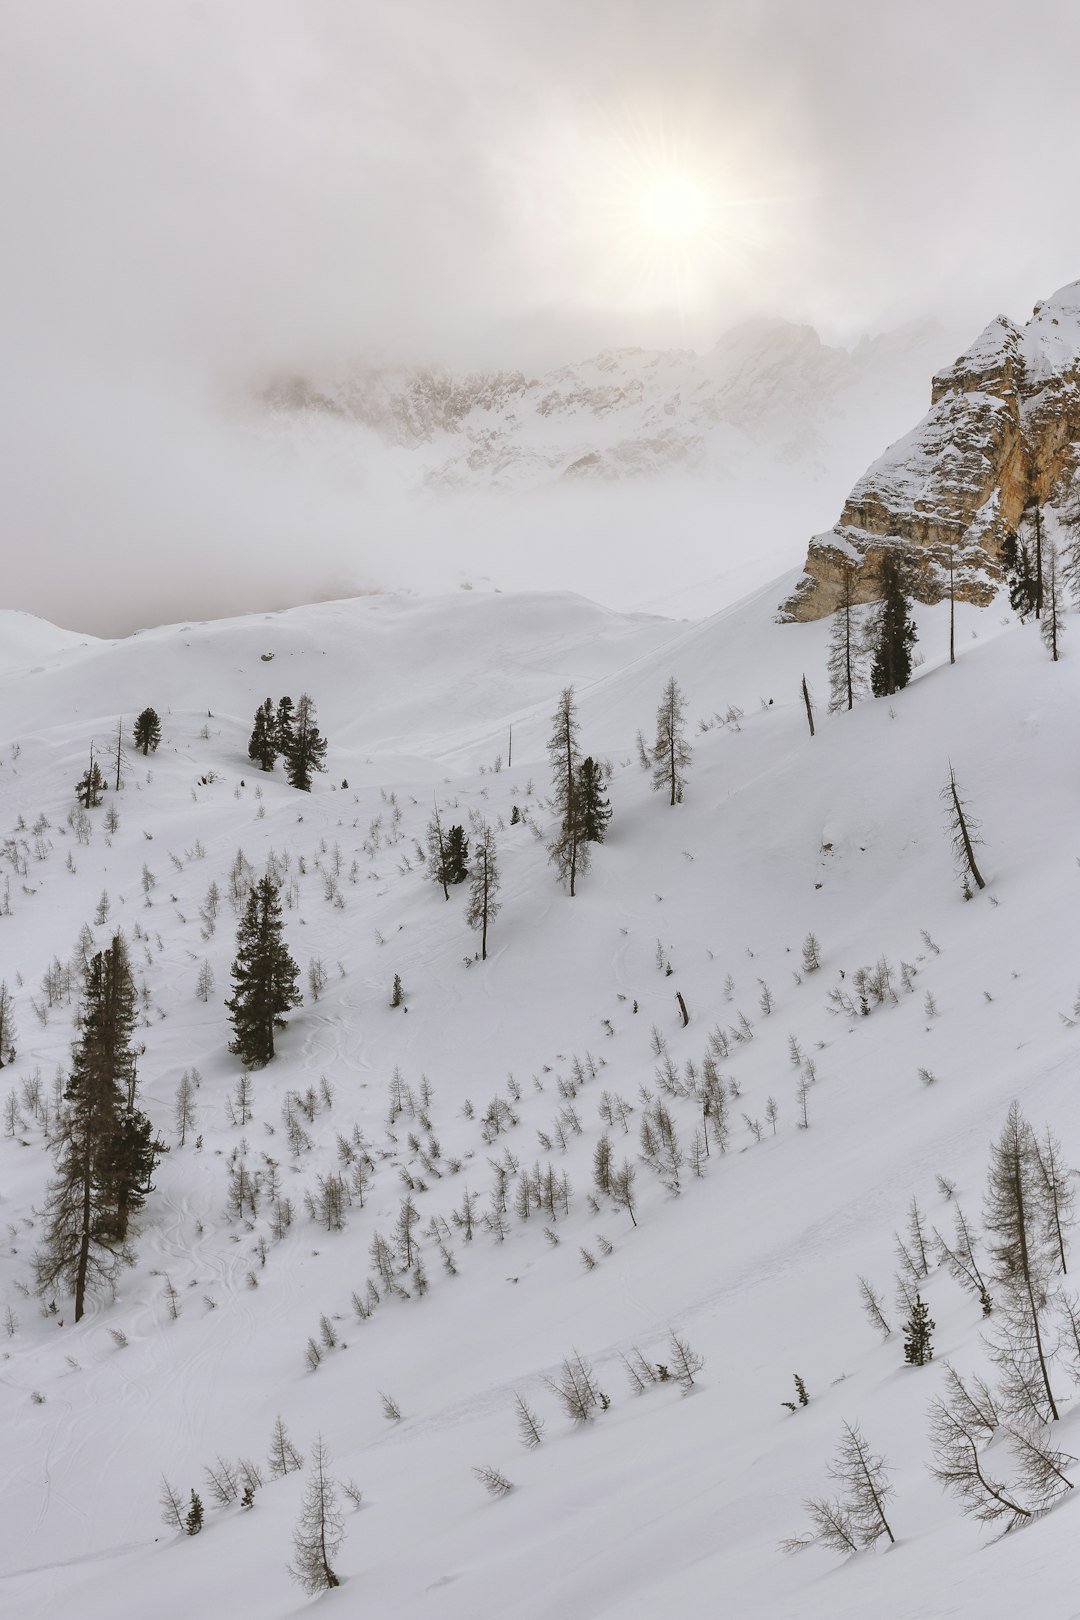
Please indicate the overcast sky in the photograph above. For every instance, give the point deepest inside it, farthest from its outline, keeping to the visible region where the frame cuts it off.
(197, 193)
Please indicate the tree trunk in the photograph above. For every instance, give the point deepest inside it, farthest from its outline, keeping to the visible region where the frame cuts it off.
(809, 710)
(1025, 1267)
(969, 853)
(685, 1020)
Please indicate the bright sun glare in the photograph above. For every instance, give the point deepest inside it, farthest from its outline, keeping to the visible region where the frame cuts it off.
(674, 207)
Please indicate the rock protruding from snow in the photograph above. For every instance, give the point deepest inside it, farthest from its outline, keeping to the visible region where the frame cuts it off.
(1001, 433)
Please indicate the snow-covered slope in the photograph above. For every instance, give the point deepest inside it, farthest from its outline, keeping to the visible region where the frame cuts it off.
(664, 1503)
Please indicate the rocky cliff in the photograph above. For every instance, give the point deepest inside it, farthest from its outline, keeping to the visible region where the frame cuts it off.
(1002, 431)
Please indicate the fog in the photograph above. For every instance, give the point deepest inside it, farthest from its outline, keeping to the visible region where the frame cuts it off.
(200, 195)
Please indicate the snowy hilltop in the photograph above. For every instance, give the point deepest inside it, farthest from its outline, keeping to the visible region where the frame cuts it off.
(563, 1245)
(997, 446)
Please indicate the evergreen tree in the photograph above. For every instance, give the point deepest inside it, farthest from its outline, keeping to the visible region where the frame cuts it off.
(147, 732)
(457, 855)
(193, 1523)
(321, 1529)
(483, 906)
(1019, 575)
(306, 749)
(847, 651)
(95, 1190)
(263, 747)
(918, 1349)
(264, 978)
(893, 632)
(671, 751)
(91, 786)
(7, 1025)
(569, 850)
(284, 724)
(595, 809)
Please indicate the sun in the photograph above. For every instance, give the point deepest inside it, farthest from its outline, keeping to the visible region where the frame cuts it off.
(674, 207)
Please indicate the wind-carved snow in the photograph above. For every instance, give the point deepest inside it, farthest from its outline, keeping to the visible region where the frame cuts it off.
(665, 1503)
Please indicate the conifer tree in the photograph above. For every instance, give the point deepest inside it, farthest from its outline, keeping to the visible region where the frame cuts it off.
(1053, 624)
(569, 850)
(284, 723)
(483, 906)
(457, 855)
(595, 809)
(918, 1349)
(847, 651)
(284, 1457)
(194, 1521)
(263, 746)
(436, 848)
(1022, 1255)
(306, 749)
(964, 830)
(98, 1173)
(893, 631)
(321, 1529)
(264, 978)
(7, 1025)
(671, 751)
(1019, 575)
(91, 785)
(147, 731)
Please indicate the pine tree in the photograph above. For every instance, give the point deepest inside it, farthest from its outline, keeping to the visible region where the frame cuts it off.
(893, 631)
(671, 751)
(284, 724)
(194, 1521)
(263, 746)
(847, 651)
(264, 978)
(91, 785)
(7, 1025)
(1019, 575)
(321, 1529)
(147, 731)
(595, 809)
(569, 850)
(483, 906)
(1053, 626)
(457, 855)
(918, 1349)
(89, 1202)
(306, 749)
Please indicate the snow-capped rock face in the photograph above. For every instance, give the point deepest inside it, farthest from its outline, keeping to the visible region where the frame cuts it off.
(768, 389)
(1001, 433)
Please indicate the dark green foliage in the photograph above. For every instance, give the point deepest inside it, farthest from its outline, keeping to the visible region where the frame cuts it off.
(147, 732)
(194, 1521)
(104, 1144)
(397, 999)
(263, 747)
(1019, 575)
(306, 749)
(284, 724)
(800, 1390)
(918, 1349)
(569, 849)
(456, 855)
(90, 786)
(595, 809)
(893, 632)
(264, 978)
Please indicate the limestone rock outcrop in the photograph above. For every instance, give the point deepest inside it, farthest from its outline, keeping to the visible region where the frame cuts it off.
(1002, 432)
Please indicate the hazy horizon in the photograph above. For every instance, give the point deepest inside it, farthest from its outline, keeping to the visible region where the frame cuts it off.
(198, 198)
